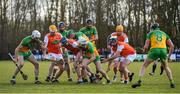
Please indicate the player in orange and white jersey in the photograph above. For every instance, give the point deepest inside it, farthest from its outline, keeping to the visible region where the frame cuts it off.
(127, 53)
(52, 42)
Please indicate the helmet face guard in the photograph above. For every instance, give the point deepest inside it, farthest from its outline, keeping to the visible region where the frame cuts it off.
(113, 41)
(89, 23)
(154, 26)
(61, 26)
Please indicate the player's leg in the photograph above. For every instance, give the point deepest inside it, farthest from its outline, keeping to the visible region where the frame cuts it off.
(84, 71)
(60, 64)
(55, 70)
(67, 67)
(163, 58)
(121, 73)
(91, 74)
(115, 69)
(162, 69)
(154, 67)
(77, 67)
(129, 59)
(36, 68)
(51, 68)
(78, 71)
(20, 65)
(124, 64)
(169, 73)
(153, 55)
(99, 68)
(142, 71)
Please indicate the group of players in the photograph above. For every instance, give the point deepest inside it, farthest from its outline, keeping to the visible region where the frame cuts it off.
(59, 41)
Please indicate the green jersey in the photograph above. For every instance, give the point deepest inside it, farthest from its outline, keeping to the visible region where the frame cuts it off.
(89, 32)
(91, 49)
(64, 33)
(80, 34)
(158, 38)
(26, 44)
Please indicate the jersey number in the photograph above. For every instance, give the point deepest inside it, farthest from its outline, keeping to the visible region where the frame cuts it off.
(159, 37)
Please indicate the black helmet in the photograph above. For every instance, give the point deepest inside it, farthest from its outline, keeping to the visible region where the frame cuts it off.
(61, 24)
(154, 25)
(89, 21)
(112, 40)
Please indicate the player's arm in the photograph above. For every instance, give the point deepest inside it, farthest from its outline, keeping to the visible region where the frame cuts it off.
(147, 42)
(17, 50)
(42, 45)
(116, 54)
(171, 47)
(46, 40)
(146, 46)
(112, 58)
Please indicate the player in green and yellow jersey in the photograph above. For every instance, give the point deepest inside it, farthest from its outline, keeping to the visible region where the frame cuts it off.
(23, 51)
(64, 33)
(158, 41)
(90, 54)
(90, 31)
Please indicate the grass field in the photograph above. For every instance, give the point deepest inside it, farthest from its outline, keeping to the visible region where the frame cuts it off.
(151, 84)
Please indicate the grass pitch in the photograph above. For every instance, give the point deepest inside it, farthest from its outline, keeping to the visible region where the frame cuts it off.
(150, 84)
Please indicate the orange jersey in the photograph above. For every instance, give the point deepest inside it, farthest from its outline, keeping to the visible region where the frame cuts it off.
(121, 38)
(53, 43)
(24, 49)
(125, 49)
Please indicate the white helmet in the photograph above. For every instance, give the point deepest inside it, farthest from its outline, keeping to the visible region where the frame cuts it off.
(113, 37)
(35, 34)
(82, 40)
(75, 44)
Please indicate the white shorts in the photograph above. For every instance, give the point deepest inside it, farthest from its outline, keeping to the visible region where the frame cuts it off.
(129, 57)
(54, 57)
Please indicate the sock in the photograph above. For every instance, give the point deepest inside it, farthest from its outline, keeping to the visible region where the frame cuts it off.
(13, 77)
(154, 68)
(97, 71)
(162, 69)
(36, 78)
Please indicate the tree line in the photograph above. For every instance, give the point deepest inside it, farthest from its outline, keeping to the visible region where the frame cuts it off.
(19, 17)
